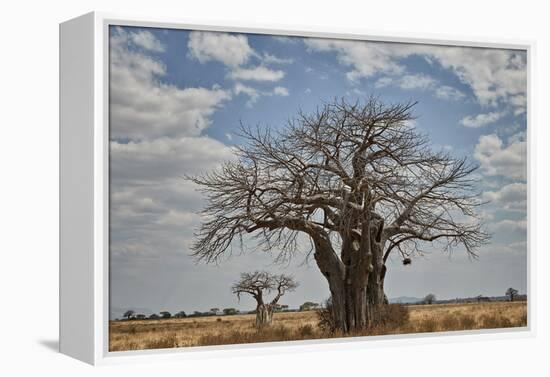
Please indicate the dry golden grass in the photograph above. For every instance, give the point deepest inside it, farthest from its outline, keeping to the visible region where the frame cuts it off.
(185, 332)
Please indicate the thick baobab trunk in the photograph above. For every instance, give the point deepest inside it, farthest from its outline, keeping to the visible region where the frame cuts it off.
(357, 304)
(264, 315)
(356, 281)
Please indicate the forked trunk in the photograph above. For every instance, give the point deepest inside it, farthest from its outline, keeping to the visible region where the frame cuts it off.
(264, 315)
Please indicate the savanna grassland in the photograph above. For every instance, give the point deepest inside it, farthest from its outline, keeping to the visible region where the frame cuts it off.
(234, 329)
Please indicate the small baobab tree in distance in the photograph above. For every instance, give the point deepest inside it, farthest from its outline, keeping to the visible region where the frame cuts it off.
(259, 284)
(429, 299)
(128, 314)
(357, 179)
(511, 293)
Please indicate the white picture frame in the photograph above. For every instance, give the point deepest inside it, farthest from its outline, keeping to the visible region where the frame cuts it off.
(84, 191)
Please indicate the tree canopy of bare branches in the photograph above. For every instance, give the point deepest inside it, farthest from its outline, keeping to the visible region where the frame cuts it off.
(359, 181)
(260, 283)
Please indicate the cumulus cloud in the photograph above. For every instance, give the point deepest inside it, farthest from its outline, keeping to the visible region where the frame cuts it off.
(446, 92)
(146, 40)
(494, 75)
(280, 91)
(252, 93)
(286, 39)
(422, 82)
(272, 59)
(496, 159)
(166, 157)
(259, 73)
(142, 106)
(230, 49)
(512, 197)
(157, 137)
(365, 58)
(151, 204)
(255, 94)
(235, 52)
(511, 225)
(481, 120)
(383, 82)
(417, 81)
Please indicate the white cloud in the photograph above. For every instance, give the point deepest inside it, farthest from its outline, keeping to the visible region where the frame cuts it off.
(448, 93)
(307, 91)
(255, 94)
(156, 133)
(272, 59)
(252, 93)
(232, 50)
(422, 82)
(494, 75)
(382, 82)
(143, 107)
(285, 39)
(151, 204)
(235, 52)
(147, 40)
(481, 120)
(166, 157)
(498, 160)
(510, 225)
(259, 73)
(416, 81)
(520, 103)
(280, 91)
(512, 197)
(365, 58)
(517, 137)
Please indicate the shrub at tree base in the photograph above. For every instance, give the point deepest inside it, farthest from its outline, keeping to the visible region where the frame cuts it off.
(394, 315)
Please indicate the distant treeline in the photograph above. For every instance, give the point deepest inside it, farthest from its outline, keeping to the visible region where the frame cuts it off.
(480, 298)
(308, 305)
(132, 315)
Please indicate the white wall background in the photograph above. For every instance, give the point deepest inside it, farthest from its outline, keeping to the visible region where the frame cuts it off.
(29, 183)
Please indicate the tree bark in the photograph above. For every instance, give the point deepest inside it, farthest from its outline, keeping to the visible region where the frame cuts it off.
(356, 282)
(264, 315)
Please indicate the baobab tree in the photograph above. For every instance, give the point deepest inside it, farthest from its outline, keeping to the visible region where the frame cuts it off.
(429, 299)
(511, 293)
(360, 182)
(258, 285)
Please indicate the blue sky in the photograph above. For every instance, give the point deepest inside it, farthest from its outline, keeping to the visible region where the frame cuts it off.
(177, 99)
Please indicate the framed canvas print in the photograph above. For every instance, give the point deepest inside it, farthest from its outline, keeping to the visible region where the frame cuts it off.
(227, 188)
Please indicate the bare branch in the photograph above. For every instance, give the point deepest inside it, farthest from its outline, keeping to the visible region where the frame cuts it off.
(259, 283)
(347, 169)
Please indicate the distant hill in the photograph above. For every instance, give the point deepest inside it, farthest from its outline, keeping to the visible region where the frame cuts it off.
(115, 313)
(461, 300)
(405, 300)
